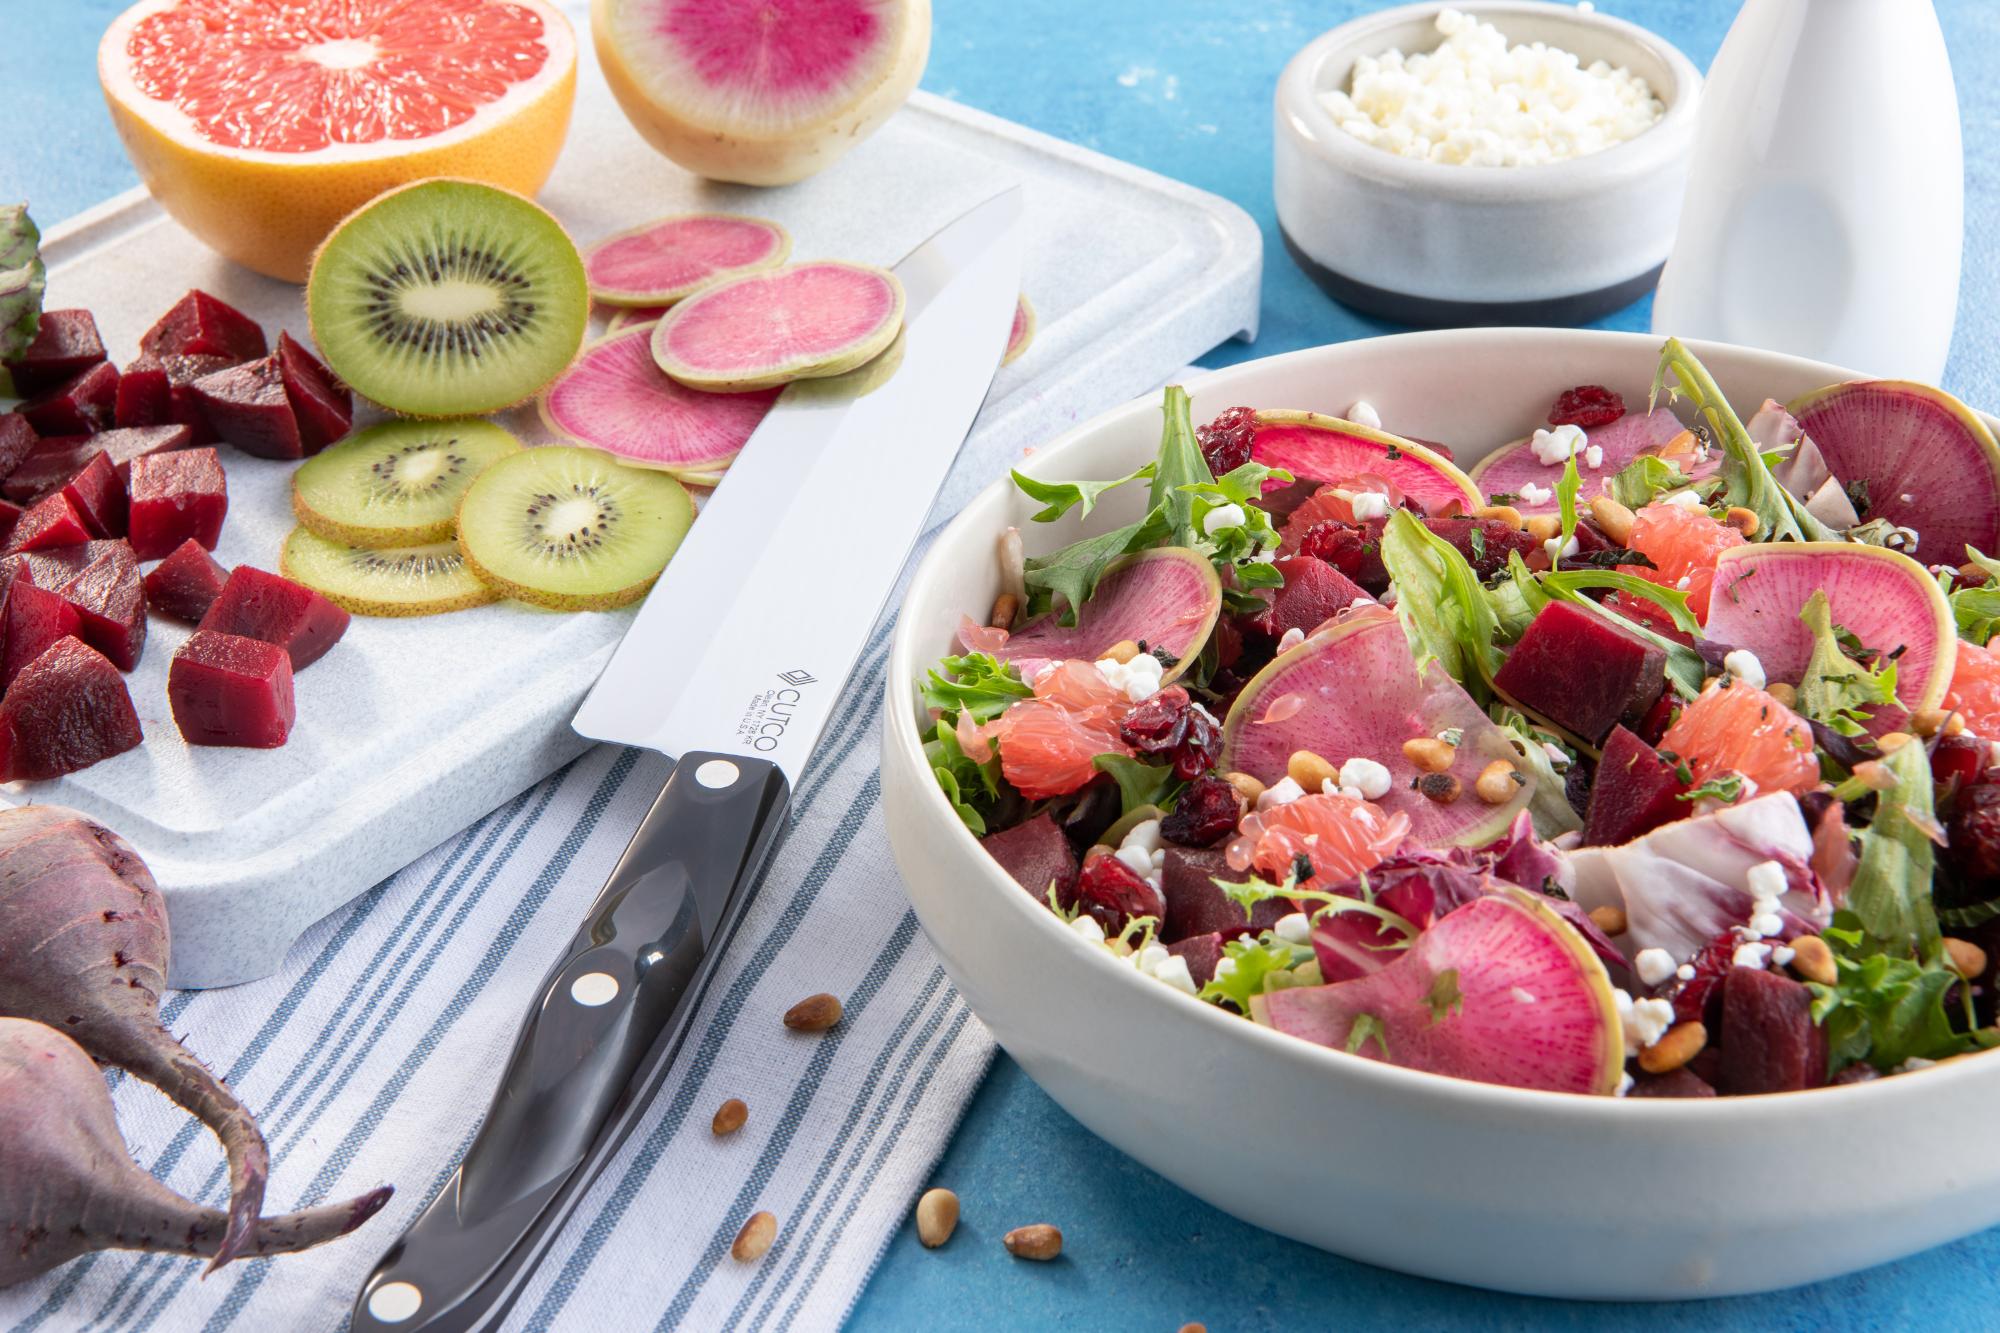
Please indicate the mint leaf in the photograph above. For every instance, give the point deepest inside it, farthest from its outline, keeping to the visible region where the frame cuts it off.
(22, 279)
(1836, 690)
(1060, 497)
(1891, 893)
(1138, 784)
(977, 683)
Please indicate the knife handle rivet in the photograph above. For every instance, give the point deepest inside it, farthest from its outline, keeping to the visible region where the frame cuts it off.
(717, 774)
(393, 1302)
(593, 989)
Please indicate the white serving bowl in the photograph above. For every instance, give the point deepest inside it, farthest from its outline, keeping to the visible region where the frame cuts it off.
(1524, 1191)
(1435, 244)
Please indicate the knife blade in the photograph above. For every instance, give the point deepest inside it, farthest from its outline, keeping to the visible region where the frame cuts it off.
(732, 666)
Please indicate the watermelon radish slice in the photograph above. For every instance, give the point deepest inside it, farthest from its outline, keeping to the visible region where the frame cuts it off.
(1509, 468)
(1926, 461)
(615, 399)
(1327, 449)
(659, 263)
(1884, 598)
(1351, 691)
(1500, 991)
(623, 317)
(1167, 598)
(1023, 331)
(857, 383)
(761, 330)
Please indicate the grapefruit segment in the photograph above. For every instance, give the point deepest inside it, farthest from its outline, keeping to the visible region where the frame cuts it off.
(1508, 469)
(659, 263)
(1327, 449)
(761, 330)
(1734, 727)
(1167, 598)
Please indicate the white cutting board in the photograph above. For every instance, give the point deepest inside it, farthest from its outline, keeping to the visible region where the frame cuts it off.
(408, 730)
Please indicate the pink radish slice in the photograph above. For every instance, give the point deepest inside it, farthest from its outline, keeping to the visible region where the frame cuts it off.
(1928, 461)
(1509, 468)
(1884, 598)
(1327, 449)
(1023, 331)
(659, 263)
(766, 329)
(616, 399)
(1351, 691)
(626, 317)
(1528, 1005)
(1168, 597)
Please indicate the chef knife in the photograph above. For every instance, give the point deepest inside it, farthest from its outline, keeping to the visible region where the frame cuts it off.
(733, 665)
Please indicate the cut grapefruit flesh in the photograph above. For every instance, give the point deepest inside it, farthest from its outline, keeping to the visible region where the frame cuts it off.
(1326, 449)
(1683, 544)
(258, 126)
(1734, 727)
(659, 263)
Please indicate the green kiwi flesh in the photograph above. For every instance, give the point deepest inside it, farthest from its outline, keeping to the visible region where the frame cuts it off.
(448, 298)
(397, 483)
(570, 528)
(424, 580)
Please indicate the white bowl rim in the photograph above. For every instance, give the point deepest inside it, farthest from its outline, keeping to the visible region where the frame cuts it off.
(899, 728)
(1653, 150)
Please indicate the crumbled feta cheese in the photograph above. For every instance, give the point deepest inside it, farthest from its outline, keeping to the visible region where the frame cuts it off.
(1685, 972)
(1225, 967)
(1139, 678)
(1351, 793)
(1766, 879)
(1138, 862)
(1174, 972)
(1477, 101)
(1743, 664)
(1653, 966)
(1525, 996)
(1150, 957)
(1294, 928)
(1291, 639)
(1363, 413)
(1536, 495)
(1682, 583)
(1783, 955)
(1087, 927)
(1365, 776)
(1767, 924)
(1222, 516)
(1282, 792)
(1685, 499)
(1555, 447)
(1369, 504)
(1643, 1021)
(1750, 954)
(1559, 549)
(1625, 1081)
(1144, 835)
(1593, 456)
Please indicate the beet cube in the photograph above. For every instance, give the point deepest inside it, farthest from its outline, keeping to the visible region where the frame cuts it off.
(98, 494)
(66, 710)
(1769, 1042)
(17, 441)
(1682, 1082)
(156, 391)
(1312, 593)
(1196, 907)
(101, 580)
(1202, 953)
(144, 394)
(176, 497)
(1582, 672)
(201, 325)
(82, 405)
(51, 522)
(323, 406)
(1635, 791)
(229, 690)
(1036, 854)
(260, 605)
(246, 406)
(66, 344)
(186, 583)
(34, 619)
(58, 460)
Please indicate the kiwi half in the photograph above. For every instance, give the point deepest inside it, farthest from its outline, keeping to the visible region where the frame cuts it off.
(396, 484)
(422, 580)
(448, 298)
(571, 528)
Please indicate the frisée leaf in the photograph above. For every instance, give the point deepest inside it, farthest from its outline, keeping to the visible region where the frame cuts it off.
(22, 279)
(977, 683)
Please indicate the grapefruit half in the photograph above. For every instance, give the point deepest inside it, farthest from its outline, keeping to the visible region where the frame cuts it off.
(259, 126)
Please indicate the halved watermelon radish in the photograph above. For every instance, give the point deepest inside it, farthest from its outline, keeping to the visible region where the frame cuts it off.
(1351, 691)
(615, 399)
(659, 263)
(760, 330)
(1023, 332)
(1327, 449)
(1502, 990)
(1925, 460)
(1167, 598)
(1884, 598)
(1511, 467)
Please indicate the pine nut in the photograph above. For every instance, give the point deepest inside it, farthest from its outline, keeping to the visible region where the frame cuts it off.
(1040, 1242)
(729, 1117)
(937, 1217)
(1610, 920)
(1543, 526)
(1440, 787)
(1614, 518)
(1813, 960)
(1679, 1044)
(1966, 958)
(1309, 770)
(1246, 786)
(1429, 753)
(1891, 741)
(1005, 607)
(1505, 513)
(1787, 695)
(1497, 783)
(1122, 651)
(1931, 721)
(1743, 520)
(815, 1013)
(753, 1242)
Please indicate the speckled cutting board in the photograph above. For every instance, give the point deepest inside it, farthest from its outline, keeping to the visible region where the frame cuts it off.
(411, 729)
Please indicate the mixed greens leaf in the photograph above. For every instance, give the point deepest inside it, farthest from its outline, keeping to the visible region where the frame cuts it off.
(1060, 497)
(1836, 689)
(976, 683)
(972, 788)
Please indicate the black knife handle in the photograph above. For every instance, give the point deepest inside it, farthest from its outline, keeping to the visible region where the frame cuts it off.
(616, 993)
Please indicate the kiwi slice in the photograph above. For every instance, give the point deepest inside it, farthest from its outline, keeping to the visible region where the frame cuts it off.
(571, 528)
(448, 298)
(396, 484)
(384, 581)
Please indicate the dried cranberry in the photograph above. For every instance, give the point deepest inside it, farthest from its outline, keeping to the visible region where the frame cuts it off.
(1711, 964)
(1353, 549)
(1487, 552)
(1205, 814)
(1225, 441)
(1114, 894)
(1588, 406)
(1957, 762)
(1973, 849)
(1171, 725)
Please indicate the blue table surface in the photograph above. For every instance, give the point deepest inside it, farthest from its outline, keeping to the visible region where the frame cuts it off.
(1182, 87)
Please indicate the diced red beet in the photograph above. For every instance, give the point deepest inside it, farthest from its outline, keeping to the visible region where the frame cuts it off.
(55, 461)
(260, 605)
(17, 441)
(82, 405)
(98, 494)
(1313, 592)
(1036, 854)
(201, 325)
(10, 516)
(176, 497)
(34, 619)
(247, 407)
(66, 710)
(144, 394)
(229, 690)
(1682, 1082)
(1196, 907)
(157, 391)
(1636, 790)
(322, 404)
(101, 580)
(1769, 1042)
(66, 344)
(1582, 672)
(48, 523)
(1201, 953)
(186, 583)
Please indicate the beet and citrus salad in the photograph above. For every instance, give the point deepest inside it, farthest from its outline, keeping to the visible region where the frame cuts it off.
(1653, 756)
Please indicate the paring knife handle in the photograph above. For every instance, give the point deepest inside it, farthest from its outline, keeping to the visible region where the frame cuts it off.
(616, 992)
